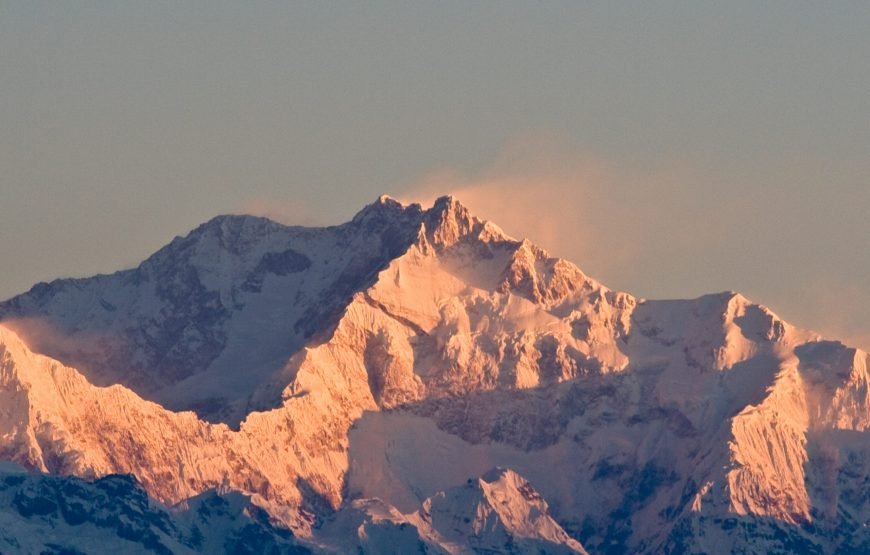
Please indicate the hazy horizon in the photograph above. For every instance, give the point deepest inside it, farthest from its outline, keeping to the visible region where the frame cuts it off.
(669, 150)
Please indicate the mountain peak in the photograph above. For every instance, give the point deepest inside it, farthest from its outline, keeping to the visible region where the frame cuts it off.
(386, 210)
(499, 508)
(230, 232)
(450, 205)
(448, 221)
(225, 222)
(444, 224)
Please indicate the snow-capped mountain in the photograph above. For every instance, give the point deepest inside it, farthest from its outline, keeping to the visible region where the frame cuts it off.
(205, 321)
(499, 512)
(362, 382)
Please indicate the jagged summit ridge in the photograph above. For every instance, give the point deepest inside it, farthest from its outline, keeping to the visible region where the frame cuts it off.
(166, 329)
(343, 376)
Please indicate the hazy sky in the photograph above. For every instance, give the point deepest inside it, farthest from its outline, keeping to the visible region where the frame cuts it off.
(669, 148)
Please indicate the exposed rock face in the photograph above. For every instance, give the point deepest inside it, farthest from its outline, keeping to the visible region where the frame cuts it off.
(399, 355)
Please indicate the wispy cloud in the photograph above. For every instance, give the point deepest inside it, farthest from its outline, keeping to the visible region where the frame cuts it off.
(664, 230)
(534, 189)
(576, 204)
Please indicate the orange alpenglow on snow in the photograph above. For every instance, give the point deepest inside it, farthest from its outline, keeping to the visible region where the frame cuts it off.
(418, 379)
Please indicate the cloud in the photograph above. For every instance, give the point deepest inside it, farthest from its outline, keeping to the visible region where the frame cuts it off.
(536, 190)
(575, 204)
(667, 229)
(43, 336)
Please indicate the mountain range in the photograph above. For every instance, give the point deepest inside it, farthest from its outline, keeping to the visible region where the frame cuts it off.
(416, 380)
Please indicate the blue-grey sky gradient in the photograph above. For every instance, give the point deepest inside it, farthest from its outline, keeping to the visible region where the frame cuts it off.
(735, 136)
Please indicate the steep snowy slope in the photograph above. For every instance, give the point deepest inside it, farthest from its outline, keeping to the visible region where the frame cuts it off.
(206, 320)
(498, 512)
(418, 349)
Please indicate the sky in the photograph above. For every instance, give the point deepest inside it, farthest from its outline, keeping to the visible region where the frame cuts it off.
(670, 149)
